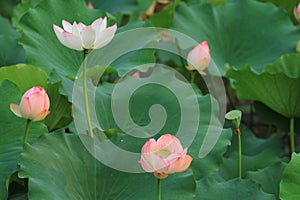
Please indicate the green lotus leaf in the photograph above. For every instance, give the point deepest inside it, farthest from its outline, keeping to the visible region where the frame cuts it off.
(24, 76)
(239, 32)
(209, 188)
(10, 52)
(265, 177)
(277, 86)
(75, 174)
(289, 185)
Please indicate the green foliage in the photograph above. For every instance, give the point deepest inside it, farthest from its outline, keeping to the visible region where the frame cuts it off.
(239, 32)
(252, 43)
(10, 52)
(87, 177)
(276, 87)
(289, 185)
(12, 131)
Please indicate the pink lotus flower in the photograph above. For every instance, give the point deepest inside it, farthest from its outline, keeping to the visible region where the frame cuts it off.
(164, 156)
(297, 12)
(34, 104)
(199, 57)
(80, 37)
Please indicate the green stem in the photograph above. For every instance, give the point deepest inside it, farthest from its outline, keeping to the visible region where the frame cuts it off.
(85, 93)
(292, 135)
(228, 93)
(158, 189)
(192, 76)
(239, 153)
(26, 133)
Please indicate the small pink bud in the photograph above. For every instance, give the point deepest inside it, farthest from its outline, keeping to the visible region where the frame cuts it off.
(164, 156)
(34, 104)
(199, 57)
(90, 5)
(297, 12)
(136, 75)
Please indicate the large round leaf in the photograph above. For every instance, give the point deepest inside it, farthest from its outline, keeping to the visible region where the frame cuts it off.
(239, 32)
(290, 183)
(59, 167)
(11, 52)
(277, 86)
(11, 134)
(24, 76)
(234, 189)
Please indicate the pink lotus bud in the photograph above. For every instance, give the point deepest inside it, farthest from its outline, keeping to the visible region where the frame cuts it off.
(164, 156)
(80, 36)
(136, 75)
(90, 5)
(199, 57)
(297, 12)
(34, 104)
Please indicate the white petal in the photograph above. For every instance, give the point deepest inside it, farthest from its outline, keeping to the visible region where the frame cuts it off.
(68, 39)
(81, 26)
(59, 33)
(75, 30)
(88, 35)
(97, 24)
(72, 41)
(105, 36)
(67, 26)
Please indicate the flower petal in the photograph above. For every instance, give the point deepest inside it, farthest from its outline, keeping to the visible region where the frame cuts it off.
(68, 39)
(41, 115)
(187, 162)
(36, 102)
(25, 108)
(105, 36)
(67, 26)
(75, 30)
(15, 109)
(72, 41)
(88, 36)
(99, 24)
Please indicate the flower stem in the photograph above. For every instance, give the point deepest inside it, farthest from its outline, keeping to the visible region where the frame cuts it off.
(292, 135)
(26, 132)
(85, 93)
(158, 189)
(238, 132)
(192, 77)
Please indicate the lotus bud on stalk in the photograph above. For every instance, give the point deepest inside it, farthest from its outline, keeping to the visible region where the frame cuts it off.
(164, 156)
(34, 105)
(199, 58)
(297, 12)
(80, 36)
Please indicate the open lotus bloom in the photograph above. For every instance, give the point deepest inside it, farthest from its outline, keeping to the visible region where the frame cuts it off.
(297, 12)
(164, 156)
(199, 58)
(80, 36)
(34, 104)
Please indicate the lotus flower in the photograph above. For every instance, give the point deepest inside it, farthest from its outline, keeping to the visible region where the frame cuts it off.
(199, 57)
(164, 156)
(297, 12)
(80, 36)
(34, 105)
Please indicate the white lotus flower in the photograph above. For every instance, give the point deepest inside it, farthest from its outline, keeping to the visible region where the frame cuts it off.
(80, 36)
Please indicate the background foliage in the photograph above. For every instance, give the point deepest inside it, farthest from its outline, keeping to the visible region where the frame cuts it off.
(253, 43)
